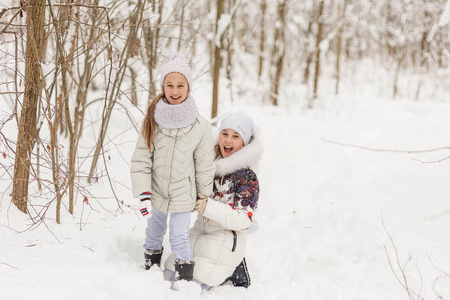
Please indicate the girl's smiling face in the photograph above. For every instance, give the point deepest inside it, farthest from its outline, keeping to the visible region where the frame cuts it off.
(176, 88)
(229, 142)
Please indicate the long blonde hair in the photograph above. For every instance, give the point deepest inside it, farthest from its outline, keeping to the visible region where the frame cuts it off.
(148, 127)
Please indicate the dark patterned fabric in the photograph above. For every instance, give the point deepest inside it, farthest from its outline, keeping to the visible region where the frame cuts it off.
(239, 189)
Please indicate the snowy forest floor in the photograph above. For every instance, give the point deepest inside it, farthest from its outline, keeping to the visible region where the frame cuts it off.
(334, 221)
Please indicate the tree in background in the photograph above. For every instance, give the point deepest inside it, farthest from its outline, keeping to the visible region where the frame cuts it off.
(27, 128)
(342, 7)
(222, 29)
(319, 37)
(278, 51)
(262, 39)
(217, 61)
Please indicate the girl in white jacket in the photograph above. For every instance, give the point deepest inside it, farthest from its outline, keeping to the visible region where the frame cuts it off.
(172, 163)
(219, 235)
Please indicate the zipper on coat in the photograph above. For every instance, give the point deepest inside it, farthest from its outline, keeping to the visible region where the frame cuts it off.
(234, 240)
(168, 159)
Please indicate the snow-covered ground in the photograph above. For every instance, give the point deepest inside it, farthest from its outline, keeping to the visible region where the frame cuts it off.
(334, 221)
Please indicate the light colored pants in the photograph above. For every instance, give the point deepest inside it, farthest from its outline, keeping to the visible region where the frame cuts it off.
(178, 233)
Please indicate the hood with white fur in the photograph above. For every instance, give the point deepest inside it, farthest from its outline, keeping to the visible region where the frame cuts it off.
(247, 157)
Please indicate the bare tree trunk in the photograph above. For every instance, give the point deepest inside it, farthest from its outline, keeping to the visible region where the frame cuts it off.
(218, 44)
(38, 150)
(424, 44)
(389, 23)
(262, 38)
(278, 51)
(54, 154)
(80, 106)
(339, 49)
(217, 61)
(400, 57)
(319, 22)
(180, 38)
(27, 127)
(148, 38)
(133, 75)
(158, 28)
(229, 49)
(193, 41)
(151, 37)
(309, 53)
(65, 102)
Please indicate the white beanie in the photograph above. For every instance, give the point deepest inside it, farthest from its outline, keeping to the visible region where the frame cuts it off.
(240, 123)
(177, 64)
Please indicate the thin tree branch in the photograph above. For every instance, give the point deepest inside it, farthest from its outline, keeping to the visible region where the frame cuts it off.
(388, 150)
(403, 282)
(19, 11)
(9, 265)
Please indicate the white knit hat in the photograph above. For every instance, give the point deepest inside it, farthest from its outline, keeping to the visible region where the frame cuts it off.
(240, 123)
(177, 63)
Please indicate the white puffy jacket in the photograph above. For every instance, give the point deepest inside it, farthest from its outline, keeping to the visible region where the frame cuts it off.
(179, 165)
(218, 245)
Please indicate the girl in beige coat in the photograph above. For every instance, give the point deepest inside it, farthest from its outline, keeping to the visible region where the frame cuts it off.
(172, 163)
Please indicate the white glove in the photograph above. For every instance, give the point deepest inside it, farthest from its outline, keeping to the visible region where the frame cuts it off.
(146, 204)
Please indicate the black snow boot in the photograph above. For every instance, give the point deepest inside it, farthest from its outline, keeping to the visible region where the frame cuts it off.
(152, 257)
(184, 270)
(240, 276)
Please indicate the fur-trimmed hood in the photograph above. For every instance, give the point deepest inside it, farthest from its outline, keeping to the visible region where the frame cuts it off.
(247, 157)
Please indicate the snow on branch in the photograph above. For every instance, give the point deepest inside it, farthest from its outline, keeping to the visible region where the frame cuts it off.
(224, 23)
(445, 17)
(443, 20)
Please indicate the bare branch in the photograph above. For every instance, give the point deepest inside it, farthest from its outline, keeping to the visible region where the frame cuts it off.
(19, 12)
(388, 150)
(9, 265)
(434, 266)
(403, 281)
(431, 162)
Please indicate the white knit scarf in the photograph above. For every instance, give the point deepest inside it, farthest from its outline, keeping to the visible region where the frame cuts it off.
(176, 116)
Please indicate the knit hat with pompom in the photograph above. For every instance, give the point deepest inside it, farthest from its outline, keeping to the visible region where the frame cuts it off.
(177, 63)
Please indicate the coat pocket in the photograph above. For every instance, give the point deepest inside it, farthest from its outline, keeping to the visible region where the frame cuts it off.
(181, 188)
(234, 240)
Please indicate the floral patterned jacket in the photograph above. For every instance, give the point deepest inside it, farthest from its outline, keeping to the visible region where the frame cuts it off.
(240, 190)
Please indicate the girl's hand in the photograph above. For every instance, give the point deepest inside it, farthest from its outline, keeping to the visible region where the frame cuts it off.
(200, 206)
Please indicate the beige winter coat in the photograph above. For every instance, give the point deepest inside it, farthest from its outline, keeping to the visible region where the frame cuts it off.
(179, 165)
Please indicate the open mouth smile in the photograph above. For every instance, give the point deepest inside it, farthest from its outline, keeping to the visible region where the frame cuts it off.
(227, 149)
